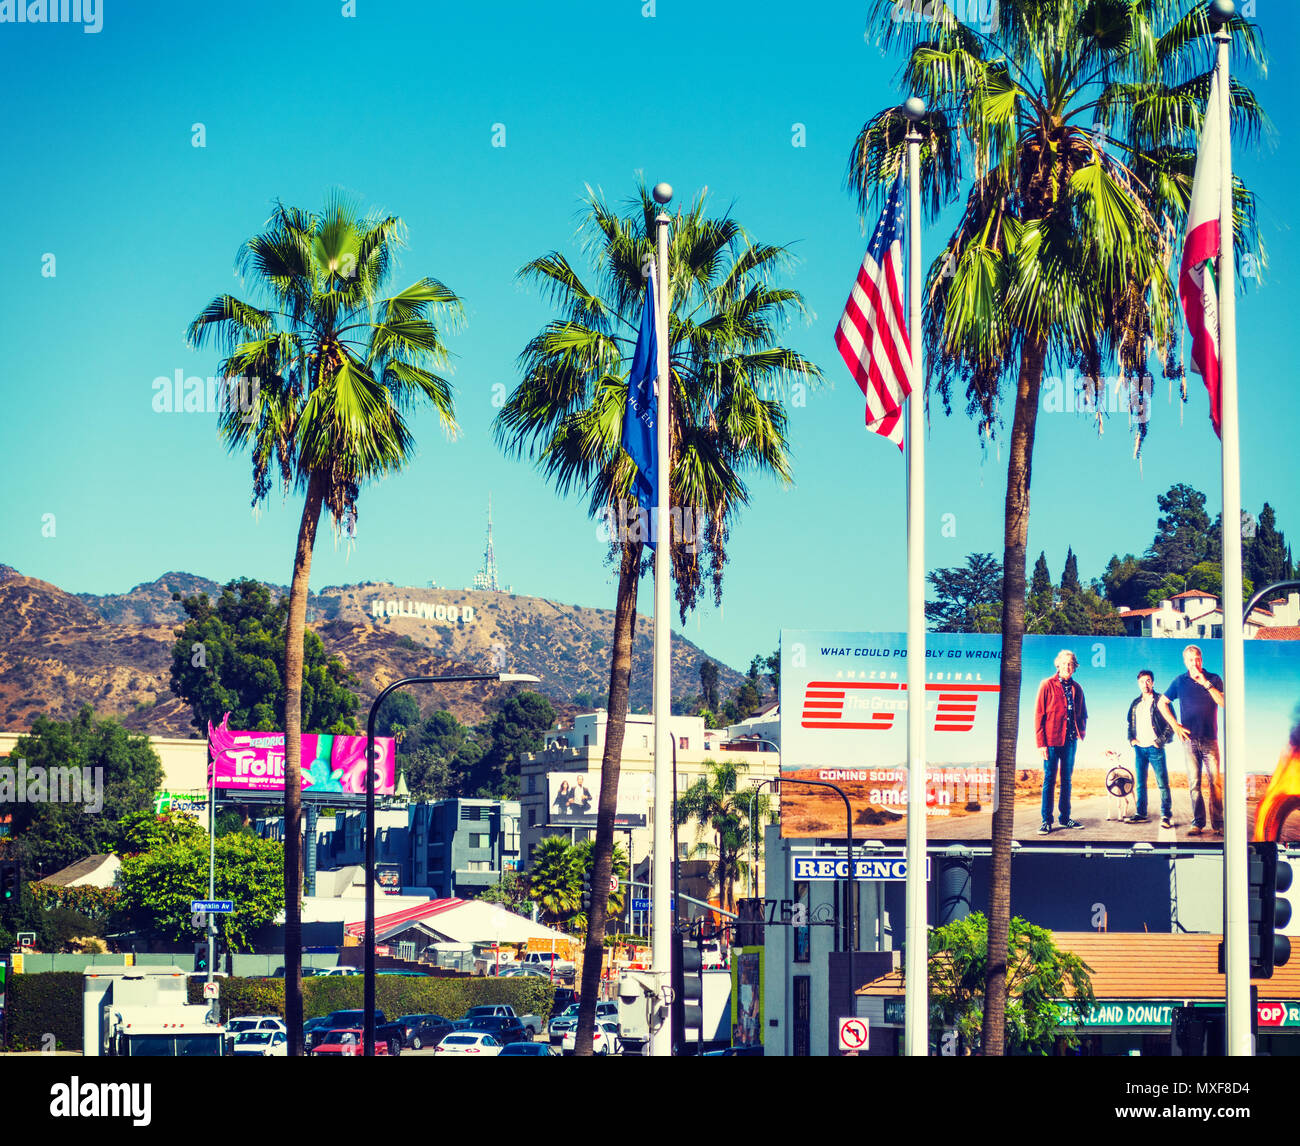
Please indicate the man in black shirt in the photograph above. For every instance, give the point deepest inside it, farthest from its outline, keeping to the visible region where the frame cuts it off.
(1200, 696)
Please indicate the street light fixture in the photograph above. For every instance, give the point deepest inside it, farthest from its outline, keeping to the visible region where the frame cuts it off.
(368, 1043)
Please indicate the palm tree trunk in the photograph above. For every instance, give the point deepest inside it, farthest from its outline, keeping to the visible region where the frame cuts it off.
(1015, 539)
(295, 627)
(602, 854)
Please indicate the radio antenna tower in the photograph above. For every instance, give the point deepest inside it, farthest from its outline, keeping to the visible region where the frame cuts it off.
(486, 577)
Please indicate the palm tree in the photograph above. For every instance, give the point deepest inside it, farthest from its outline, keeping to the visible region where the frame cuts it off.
(555, 879)
(728, 378)
(719, 808)
(1079, 121)
(619, 867)
(329, 367)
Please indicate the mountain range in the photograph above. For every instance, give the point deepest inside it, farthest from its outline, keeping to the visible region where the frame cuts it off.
(59, 650)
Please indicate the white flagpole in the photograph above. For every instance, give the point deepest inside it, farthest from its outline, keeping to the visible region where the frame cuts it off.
(916, 998)
(661, 908)
(1236, 938)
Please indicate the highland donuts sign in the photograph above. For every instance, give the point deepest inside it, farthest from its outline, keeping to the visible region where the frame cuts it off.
(254, 761)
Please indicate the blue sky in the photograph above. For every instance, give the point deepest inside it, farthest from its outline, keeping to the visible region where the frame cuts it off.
(398, 105)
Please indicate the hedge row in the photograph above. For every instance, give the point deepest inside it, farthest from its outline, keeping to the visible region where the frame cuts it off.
(38, 1006)
(394, 995)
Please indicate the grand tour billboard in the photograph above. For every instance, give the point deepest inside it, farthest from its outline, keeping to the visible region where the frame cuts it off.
(1102, 755)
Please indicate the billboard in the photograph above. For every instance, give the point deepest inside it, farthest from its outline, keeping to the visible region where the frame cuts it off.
(747, 996)
(844, 720)
(574, 797)
(254, 761)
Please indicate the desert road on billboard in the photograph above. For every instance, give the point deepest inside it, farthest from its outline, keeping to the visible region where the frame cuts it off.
(843, 705)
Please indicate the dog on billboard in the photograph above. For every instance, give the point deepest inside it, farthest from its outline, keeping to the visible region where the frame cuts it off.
(1120, 783)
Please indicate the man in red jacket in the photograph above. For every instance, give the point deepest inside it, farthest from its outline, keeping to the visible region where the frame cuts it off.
(1060, 718)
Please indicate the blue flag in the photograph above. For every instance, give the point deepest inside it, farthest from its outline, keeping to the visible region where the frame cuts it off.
(640, 434)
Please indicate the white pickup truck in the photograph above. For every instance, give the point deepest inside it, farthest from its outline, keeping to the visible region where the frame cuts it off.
(548, 961)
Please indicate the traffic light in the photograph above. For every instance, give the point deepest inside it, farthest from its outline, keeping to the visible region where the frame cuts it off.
(1269, 913)
(688, 990)
(586, 891)
(201, 956)
(10, 877)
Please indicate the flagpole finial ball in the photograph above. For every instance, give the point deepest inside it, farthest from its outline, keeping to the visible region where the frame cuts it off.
(1221, 11)
(663, 192)
(914, 108)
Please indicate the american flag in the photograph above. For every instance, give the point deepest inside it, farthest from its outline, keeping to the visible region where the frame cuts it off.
(872, 335)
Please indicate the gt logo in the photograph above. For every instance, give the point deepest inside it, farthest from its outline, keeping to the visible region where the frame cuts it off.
(825, 702)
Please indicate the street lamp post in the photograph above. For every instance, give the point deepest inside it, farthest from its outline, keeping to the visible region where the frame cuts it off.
(850, 884)
(368, 1043)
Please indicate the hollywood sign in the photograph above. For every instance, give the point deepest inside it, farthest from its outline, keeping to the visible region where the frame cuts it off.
(445, 614)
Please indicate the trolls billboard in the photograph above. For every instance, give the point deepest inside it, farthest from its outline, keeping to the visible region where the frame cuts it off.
(254, 761)
(1120, 738)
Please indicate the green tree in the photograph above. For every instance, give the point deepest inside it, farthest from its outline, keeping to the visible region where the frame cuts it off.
(967, 598)
(511, 892)
(709, 683)
(229, 658)
(1049, 991)
(157, 886)
(1070, 576)
(720, 811)
(515, 728)
(1266, 559)
(585, 857)
(124, 773)
(1129, 582)
(1079, 122)
(772, 665)
(399, 713)
(330, 364)
(727, 376)
(1182, 531)
(555, 880)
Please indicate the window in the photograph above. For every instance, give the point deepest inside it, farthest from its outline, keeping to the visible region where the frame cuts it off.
(473, 812)
(478, 840)
(586, 740)
(532, 783)
(479, 865)
(532, 817)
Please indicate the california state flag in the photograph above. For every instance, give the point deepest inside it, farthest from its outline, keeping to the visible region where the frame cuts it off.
(1196, 280)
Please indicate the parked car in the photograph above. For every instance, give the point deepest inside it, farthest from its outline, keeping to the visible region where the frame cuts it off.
(346, 1043)
(423, 1030)
(565, 997)
(517, 969)
(504, 1030)
(569, 1020)
(468, 1042)
(529, 1050)
(549, 961)
(390, 1034)
(260, 1044)
(604, 1038)
(245, 1023)
(531, 1023)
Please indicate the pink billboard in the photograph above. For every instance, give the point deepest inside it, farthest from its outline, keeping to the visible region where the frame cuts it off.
(254, 761)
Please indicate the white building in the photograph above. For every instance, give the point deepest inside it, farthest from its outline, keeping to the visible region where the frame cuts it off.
(1197, 615)
(579, 751)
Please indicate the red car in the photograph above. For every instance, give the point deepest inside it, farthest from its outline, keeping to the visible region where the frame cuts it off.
(346, 1042)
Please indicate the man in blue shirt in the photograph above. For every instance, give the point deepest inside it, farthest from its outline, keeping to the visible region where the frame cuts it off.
(1199, 695)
